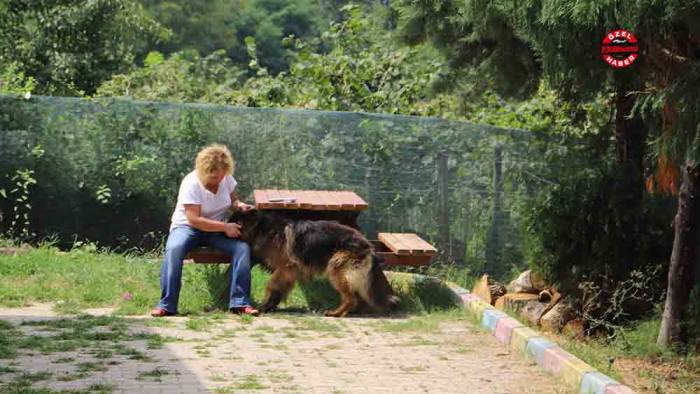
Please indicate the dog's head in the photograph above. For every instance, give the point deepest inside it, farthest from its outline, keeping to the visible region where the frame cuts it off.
(245, 218)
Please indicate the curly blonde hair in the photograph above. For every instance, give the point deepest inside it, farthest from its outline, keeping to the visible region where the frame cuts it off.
(213, 158)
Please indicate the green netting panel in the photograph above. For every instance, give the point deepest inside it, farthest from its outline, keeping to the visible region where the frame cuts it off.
(109, 170)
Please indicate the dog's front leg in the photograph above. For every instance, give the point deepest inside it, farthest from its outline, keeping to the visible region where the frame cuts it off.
(280, 284)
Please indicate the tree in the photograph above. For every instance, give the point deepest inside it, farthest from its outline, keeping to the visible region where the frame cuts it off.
(654, 95)
(480, 44)
(183, 77)
(70, 47)
(209, 26)
(672, 96)
(354, 69)
(511, 46)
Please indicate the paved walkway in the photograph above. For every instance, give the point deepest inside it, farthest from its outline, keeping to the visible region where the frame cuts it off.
(286, 353)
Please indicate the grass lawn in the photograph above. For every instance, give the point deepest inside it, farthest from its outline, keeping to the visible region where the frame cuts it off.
(85, 278)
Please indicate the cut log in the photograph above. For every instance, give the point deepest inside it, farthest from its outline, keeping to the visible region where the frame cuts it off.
(550, 295)
(557, 316)
(514, 301)
(533, 311)
(488, 290)
(556, 296)
(545, 296)
(527, 282)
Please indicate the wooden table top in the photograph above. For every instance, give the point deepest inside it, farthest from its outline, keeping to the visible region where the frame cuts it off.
(315, 200)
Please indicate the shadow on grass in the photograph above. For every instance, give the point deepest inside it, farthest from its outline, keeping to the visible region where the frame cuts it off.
(417, 295)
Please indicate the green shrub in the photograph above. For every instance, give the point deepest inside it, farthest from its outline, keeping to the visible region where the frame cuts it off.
(584, 231)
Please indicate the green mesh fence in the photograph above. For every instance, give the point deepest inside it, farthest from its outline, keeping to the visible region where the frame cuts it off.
(109, 170)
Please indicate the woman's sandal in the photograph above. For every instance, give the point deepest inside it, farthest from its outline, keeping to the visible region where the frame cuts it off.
(160, 312)
(245, 310)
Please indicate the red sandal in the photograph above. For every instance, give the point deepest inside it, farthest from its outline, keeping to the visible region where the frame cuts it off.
(245, 310)
(160, 312)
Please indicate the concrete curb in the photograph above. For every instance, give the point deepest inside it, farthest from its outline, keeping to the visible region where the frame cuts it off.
(571, 370)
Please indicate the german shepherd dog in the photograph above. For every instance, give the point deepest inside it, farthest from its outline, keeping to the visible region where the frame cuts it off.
(299, 249)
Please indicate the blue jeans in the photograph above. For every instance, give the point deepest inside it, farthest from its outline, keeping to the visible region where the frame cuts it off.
(183, 239)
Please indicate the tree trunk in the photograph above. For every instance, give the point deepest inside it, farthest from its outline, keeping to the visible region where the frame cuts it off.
(630, 133)
(683, 257)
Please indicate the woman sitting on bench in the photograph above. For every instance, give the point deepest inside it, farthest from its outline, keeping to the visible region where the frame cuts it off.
(199, 219)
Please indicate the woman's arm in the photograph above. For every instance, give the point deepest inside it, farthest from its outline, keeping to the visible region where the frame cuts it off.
(237, 204)
(194, 216)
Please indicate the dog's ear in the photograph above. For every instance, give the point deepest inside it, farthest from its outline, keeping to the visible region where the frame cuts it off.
(239, 216)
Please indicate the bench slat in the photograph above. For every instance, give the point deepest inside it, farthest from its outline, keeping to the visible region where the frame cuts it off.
(205, 255)
(417, 243)
(288, 204)
(347, 200)
(391, 258)
(407, 243)
(394, 243)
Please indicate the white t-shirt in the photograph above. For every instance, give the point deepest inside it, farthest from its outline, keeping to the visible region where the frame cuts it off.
(214, 206)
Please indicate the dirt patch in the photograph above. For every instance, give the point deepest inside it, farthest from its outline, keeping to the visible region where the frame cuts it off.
(659, 376)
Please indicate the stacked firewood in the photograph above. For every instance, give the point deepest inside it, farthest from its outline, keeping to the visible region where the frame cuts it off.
(530, 297)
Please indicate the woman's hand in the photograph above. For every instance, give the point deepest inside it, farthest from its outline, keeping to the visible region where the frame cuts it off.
(232, 230)
(243, 207)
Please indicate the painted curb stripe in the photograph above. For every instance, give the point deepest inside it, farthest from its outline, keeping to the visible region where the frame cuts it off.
(618, 389)
(536, 347)
(595, 383)
(459, 290)
(468, 299)
(478, 307)
(564, 364)
(504, 329)
(490, 318)
(519, 338)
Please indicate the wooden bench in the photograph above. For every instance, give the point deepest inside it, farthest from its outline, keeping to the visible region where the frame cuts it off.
(403, 249)
(393, 248)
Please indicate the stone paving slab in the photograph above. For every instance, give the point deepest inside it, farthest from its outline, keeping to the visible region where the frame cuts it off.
(285, 353)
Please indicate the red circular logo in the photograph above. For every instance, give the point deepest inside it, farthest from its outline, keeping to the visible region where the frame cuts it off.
(619, 48)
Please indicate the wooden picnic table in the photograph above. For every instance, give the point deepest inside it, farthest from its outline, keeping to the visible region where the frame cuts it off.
(342, 206)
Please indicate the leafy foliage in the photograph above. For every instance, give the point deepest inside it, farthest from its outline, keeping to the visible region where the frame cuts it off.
(360, 72)
(14, 81)
(211, 26)
(183, 77)
(483, 48)
(70, 47)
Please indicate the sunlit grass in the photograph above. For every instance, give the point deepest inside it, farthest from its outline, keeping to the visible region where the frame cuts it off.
(85, 278)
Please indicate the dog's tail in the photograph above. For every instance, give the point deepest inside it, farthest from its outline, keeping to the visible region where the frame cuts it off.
(381, 293)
